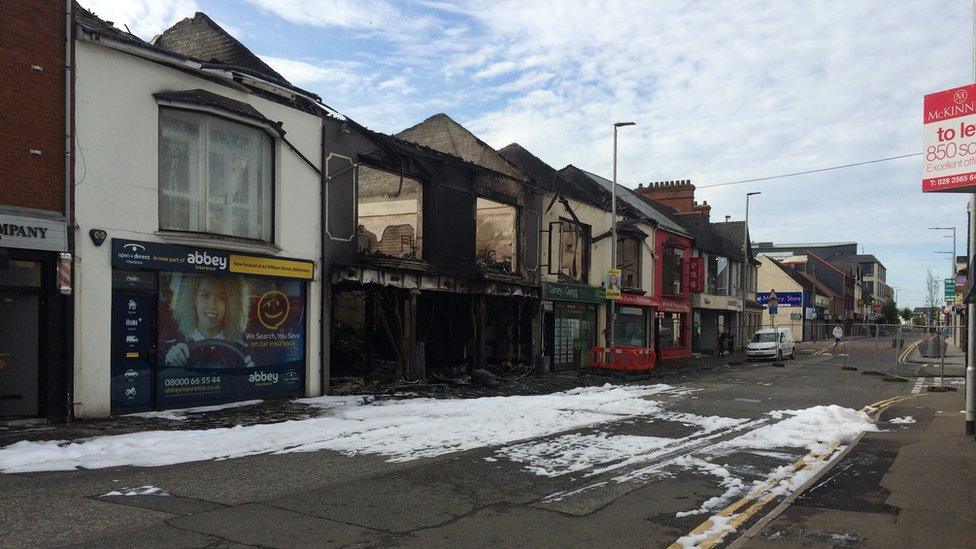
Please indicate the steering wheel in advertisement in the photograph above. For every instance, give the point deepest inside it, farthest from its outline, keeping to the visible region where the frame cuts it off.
(215, 354)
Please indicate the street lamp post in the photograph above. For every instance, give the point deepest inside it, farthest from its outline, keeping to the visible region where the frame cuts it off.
(613, 236)
(745, 267)
(952, 260)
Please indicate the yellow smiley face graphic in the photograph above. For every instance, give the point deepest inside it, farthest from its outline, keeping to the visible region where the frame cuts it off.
(273, 309)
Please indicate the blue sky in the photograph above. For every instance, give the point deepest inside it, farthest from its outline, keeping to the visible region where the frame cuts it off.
(721, 91)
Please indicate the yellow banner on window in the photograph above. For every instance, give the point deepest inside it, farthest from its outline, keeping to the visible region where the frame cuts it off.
(269, 266)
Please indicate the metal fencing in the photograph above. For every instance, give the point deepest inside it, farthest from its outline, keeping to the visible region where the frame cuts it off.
(899, 351)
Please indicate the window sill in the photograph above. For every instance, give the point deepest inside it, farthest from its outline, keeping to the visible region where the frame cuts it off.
(218, 241)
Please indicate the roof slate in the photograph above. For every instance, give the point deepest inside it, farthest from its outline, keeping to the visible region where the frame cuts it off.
(645, 208)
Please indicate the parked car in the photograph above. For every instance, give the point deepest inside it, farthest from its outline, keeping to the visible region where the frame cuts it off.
(764, 345)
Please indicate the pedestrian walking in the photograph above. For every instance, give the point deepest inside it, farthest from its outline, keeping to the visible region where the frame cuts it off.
(730, 341)
(838, 335)
(721, 344)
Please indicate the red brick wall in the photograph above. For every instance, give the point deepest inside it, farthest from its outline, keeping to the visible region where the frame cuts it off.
(32, 104)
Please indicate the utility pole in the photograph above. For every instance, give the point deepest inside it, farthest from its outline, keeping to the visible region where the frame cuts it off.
(613, 238)
(971, 307)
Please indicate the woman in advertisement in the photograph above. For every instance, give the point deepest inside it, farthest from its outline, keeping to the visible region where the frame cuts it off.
(211, 313)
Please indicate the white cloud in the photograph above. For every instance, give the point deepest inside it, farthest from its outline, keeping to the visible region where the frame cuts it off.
(303, 73)
(398, 84)
(370, 16)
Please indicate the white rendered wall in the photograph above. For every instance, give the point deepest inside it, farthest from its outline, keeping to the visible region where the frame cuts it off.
(116, 189)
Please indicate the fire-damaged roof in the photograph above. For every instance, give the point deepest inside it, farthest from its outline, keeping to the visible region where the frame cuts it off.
(442, 133)
(200, 37)
(206, 53)
(531, 165)
(398, 154)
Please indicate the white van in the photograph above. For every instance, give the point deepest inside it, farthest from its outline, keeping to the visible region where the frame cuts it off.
(763, 344)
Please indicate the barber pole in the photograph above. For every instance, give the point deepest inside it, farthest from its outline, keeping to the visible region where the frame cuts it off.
(64, 274)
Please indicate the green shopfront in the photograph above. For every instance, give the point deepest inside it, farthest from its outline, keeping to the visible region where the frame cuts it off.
(570, 324)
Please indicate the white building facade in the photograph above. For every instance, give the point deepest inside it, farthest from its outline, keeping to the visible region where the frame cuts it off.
(196, 201)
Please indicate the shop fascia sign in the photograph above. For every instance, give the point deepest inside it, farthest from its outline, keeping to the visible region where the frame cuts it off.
(36, 233)
(784, 299)
(949, 140)
(130, 254)
(574, 292)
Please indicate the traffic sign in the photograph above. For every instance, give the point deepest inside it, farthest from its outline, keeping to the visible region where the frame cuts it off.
(773, 303)
(950, 290)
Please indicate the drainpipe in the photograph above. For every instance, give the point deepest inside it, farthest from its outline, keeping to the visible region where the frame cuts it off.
(323, 272)
(68, 312)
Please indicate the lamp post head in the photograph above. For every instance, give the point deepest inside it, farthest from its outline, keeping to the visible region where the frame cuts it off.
(754, 193)
(620, 124)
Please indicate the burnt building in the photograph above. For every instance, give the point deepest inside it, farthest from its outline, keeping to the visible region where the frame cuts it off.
(432, 239)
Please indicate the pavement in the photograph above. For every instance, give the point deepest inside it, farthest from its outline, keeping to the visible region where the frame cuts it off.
(909, 486)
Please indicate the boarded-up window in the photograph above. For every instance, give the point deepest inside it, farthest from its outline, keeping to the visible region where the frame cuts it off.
(495, 236)
(389, 214)
(340, 189)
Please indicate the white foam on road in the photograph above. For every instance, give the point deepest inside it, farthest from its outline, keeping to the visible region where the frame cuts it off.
(398, 429)
(180, 414)
(147, 490)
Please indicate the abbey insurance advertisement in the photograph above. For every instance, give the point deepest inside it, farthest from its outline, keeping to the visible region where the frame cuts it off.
(225, 338)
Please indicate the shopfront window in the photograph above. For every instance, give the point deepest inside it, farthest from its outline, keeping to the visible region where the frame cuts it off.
(628, 261)
(571, 244)
(673, 262)
(215, 176)
(495, 236)
(630, 328)
(671, 331)
(389, 222)
(718, 275)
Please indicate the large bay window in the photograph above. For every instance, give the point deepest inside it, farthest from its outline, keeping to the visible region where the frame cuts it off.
(215, 176)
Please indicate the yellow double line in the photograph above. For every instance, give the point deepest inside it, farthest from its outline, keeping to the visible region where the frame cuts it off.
(762, 494)
(908, 350)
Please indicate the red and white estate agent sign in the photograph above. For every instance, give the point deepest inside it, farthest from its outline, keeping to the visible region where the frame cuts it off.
(949, 135)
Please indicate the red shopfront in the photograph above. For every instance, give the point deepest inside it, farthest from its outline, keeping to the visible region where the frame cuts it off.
(672, 296)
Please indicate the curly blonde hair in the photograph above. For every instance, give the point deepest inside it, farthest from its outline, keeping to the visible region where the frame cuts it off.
(183, 304)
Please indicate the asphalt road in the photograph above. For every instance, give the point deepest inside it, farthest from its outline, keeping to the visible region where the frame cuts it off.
(473, 498)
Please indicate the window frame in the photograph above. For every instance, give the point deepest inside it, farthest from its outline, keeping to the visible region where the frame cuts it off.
(638, 268)
(682, 285)
(585, 243)
(418, 230)
(273, 173)
(516, 239)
